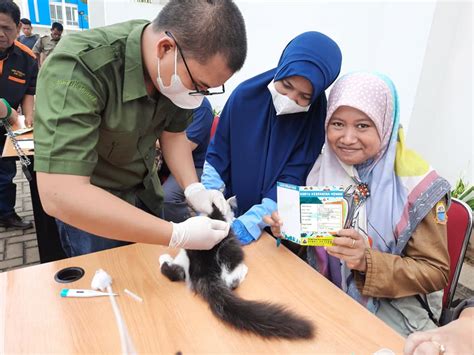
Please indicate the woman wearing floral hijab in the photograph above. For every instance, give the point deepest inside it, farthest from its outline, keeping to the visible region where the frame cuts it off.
(394, 258)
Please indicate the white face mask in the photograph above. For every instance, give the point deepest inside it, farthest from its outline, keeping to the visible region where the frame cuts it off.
(176, 91)
(283, 104)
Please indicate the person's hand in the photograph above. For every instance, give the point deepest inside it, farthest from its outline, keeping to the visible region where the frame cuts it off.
(5, 107)
(201, 199)
(275, 224)
(349, 246)
(453, 338)
(29, 121)
(428, 348)
(13, 118)
(200, 233)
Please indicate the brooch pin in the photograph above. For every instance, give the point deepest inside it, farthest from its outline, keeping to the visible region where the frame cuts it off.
(355, 195)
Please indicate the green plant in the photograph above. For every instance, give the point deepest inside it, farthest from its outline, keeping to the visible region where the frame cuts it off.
(464, 192)
(216, 112)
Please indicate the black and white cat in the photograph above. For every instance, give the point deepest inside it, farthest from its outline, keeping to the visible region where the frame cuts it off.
(214, 273)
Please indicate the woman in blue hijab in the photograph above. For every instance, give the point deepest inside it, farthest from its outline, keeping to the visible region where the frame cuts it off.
(272, 129)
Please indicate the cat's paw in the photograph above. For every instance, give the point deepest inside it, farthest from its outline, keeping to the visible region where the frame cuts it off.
(172, 271)
(234, 278)
(242, 272)
(165, 258)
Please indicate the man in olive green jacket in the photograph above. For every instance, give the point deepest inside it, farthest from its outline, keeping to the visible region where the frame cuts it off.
(104, 97)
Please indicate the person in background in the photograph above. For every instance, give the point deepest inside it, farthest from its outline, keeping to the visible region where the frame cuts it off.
(272, 129)
(456, 337)
(27, 38)
(175, 208)
(46, 44)
(105, 97)
(18, 71)
(393, 259)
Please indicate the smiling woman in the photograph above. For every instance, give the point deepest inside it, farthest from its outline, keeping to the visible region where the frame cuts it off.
(353, 136)
(396, 246)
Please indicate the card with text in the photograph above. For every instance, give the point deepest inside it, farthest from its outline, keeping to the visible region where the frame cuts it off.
(311, 213)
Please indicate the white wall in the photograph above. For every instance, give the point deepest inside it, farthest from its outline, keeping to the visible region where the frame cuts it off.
(96, 13)
(389, 37)
(22, 4)
(441, 127)
(425, 47)
(107, 12)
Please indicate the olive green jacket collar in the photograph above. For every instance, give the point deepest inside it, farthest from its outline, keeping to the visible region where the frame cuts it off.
(134, 82)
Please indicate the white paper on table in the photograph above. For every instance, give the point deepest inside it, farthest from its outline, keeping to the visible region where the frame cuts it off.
(21, 121)
(26, 144)
(22, 131)
(22, 126)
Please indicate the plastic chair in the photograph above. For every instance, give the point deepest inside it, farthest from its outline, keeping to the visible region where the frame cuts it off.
(459, 228)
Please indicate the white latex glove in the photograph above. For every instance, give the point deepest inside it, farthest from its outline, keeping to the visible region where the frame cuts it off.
(201, 199)
(200, 233)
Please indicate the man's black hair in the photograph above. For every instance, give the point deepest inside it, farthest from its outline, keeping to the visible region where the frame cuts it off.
(204, 28)
(25, 21)
(57, 25)
(9, 8)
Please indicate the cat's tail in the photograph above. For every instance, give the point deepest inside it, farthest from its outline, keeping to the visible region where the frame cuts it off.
(262, 318)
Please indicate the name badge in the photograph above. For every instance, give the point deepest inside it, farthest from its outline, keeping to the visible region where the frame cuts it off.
(441, 217)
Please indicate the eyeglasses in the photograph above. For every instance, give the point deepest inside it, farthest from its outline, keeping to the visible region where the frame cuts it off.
(197, 91)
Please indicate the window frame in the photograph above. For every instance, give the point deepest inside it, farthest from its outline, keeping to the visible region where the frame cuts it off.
(64, 8)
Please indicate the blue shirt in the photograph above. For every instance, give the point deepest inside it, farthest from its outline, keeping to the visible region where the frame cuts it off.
(28, 41)
(199, 131)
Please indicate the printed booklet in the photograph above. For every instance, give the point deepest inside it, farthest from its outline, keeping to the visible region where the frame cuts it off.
(311, 213)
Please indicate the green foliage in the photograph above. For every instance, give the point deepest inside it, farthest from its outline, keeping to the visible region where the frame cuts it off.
(464, 192)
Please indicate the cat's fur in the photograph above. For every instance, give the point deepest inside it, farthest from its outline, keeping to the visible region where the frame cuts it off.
(214, 273)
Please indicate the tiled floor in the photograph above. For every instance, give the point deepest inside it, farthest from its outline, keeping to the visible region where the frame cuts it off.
(19, 248)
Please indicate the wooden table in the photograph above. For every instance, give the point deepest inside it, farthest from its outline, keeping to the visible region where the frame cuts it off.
(35, 319)
(47, 235)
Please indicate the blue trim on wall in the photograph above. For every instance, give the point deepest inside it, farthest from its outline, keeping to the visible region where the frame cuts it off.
(45, 19)
(84, 18)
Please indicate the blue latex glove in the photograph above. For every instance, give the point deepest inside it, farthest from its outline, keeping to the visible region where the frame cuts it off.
(249, 226)
(211, 179)
(241, 233)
